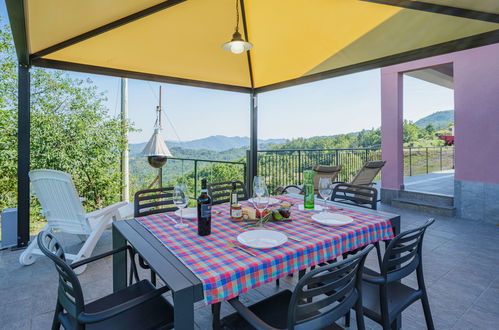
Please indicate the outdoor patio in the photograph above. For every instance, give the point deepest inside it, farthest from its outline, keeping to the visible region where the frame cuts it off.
(295, 43)
(432, 183)
(461, 264)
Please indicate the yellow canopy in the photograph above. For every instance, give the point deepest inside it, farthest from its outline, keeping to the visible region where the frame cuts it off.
(295, 41)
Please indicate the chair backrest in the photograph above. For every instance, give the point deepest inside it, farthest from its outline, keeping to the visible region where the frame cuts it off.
(368, 172)
(70, 294)
(59, 199)
(325, 171)
(359, 195)
(220, 191)
(152, 201)
(403, 254)
(326, 293)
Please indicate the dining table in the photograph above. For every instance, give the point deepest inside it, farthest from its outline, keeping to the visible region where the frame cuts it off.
(217, 267)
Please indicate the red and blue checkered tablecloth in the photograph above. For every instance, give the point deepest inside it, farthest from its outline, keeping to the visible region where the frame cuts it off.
(227, 272)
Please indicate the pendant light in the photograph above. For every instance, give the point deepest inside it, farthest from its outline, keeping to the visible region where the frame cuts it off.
(237, 44)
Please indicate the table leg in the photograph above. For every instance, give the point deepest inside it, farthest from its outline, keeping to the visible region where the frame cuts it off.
(183, 302)
(119, 262)
(397, 323)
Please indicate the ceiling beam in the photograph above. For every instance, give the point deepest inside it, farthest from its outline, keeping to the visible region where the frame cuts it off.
(105, 28)
(478, 40)
(440, 9)
(248, 53)
(17, 20)
(69, 66)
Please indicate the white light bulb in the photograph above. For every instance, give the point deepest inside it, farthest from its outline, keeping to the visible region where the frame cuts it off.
(237, 47)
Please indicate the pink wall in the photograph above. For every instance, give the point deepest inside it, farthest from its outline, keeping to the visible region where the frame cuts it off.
(391, 138)
(476, 102)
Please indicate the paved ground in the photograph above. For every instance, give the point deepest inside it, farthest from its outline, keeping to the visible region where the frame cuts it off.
(461, 265)
(438, 182)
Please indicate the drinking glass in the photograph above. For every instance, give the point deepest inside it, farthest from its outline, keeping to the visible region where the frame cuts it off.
(259, 185)
(261, 202)
(180, 199)
(325, 189)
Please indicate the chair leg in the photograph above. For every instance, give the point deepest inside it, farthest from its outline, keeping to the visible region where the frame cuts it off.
(359, 315)
(27, 257)
(215, 313)
(427, 312)
(378, 252)
(56, 324)
(153, 277)
(87, 248)
(347, 319)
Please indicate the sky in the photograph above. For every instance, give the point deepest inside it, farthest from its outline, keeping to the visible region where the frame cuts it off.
(333, 106)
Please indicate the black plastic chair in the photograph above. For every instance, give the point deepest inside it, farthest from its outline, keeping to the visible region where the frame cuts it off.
(138, 306)
(364, 196)
(152, 201)
(320, 298)
(384, 296)
(291, 189)
(220, 191)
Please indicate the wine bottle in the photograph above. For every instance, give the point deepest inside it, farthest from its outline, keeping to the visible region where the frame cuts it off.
(204, 211)
(233, 196)
(308, 190)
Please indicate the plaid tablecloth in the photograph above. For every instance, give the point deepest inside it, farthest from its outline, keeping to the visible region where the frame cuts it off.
(227, 272)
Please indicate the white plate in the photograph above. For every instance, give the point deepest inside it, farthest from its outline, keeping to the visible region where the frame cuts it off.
(272, 200)
(262, 238)
(331, 219)
(317, 207)
(188, 213)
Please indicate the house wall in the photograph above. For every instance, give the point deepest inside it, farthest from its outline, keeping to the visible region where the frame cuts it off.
(476, 101)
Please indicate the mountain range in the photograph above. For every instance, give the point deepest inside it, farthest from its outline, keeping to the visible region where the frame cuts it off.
(439, 119)
(235, 146)
(216, 143)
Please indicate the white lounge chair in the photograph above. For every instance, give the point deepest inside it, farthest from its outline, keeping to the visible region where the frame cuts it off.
(64, 212)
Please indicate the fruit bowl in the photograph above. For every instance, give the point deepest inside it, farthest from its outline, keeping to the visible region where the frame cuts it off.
(276, 213)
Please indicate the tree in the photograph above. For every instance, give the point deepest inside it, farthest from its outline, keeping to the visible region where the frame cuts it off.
(70, 131)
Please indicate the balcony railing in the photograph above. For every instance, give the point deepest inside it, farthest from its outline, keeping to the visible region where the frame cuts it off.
(195, 169)
(285, 166)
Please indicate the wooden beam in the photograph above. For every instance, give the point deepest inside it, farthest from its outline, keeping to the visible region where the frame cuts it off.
(61, 65)
(248, 53)
(440, 9)
(105, 28)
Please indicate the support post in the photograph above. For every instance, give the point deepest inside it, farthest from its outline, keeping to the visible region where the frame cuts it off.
(392, 130)
(253, 154)
(23, 152)
(124, 155)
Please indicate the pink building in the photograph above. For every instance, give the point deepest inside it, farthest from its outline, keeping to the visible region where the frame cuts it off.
(476, 99)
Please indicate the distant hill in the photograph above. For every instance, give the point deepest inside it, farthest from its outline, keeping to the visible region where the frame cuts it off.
(439, 119)
(213, 143)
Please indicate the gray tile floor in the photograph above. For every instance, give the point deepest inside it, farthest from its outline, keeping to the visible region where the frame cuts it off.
(461, 263)
(438, 182)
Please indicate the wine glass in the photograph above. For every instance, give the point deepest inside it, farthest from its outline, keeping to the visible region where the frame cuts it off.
(325, 189)
(259, 185)
(180, 199)
(261, 201)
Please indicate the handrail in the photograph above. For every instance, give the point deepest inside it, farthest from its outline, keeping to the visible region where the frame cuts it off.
(198, 160)
(347, 149)
(208, 160)
(284, 169)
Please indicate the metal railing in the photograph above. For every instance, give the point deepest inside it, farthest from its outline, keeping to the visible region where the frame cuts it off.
(198, 166)
(282, 167)
(421, 160)
(286, 166)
